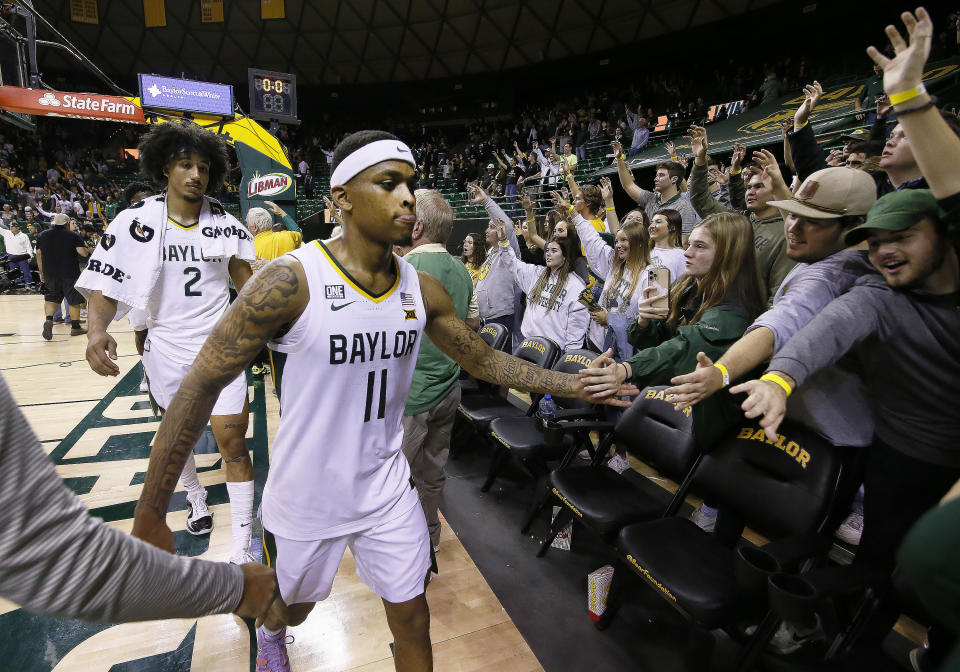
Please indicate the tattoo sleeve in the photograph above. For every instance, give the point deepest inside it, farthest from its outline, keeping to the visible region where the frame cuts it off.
(269, 300)
(465, 347)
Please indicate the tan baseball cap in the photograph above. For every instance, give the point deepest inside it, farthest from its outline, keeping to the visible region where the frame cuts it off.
(832, 193)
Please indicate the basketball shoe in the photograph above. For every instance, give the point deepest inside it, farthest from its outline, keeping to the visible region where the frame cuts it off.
(243, 558)
(199, 518)
(272, 651)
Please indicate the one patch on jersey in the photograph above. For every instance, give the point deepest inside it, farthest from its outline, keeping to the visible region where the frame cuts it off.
(107, 241)
(333, 291)
(141, 232)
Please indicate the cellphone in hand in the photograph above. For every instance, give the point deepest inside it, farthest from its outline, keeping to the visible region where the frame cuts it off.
(658, 282)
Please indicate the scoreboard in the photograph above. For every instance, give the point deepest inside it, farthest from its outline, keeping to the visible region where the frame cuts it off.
(273, 95)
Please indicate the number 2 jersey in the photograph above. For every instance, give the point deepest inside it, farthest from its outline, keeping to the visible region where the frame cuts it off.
(192, 291)
(336, 465)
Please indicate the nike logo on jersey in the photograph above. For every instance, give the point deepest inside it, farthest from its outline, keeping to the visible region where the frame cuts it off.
(334, 306)
(244, 524)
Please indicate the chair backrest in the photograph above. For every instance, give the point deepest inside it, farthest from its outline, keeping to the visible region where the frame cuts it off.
(653, 432)
(494, 334)
(780, 486)
(538, 350)
(572, 361)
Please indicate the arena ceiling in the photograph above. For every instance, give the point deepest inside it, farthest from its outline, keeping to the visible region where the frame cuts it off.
(367, 41)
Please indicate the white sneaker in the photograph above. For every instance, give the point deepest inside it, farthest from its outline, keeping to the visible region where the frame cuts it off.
(851, 529)
(704, 520)
(243, 558)
(199, 517)
(618, 463)
(789, 638)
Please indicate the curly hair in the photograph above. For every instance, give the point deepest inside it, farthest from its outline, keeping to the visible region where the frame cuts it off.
(164, 142)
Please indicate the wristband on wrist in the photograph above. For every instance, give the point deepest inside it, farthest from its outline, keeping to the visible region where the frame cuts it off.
(504, 243)
(570, 209)
(736, 172)
(928, 105)
(610, 208)
(626, 372)
(909, 94)
(621, 157)
(777, 380)
(724, 372)
(797, 128)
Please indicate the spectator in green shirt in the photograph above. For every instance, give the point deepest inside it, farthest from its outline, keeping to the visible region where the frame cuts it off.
(435, 391)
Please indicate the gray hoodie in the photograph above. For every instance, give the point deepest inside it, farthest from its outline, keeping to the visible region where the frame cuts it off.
(495, 285)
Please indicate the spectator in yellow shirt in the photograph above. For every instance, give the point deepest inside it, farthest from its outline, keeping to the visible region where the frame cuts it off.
(270, 244)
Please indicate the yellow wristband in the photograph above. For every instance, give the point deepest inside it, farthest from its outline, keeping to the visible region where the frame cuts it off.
(909, 94)
(611, 208)
(723, 370)
(570, 209)
(531, 221)
(675, 157)
(621, 157)
(504, 243)
(797, 128)
(774, 378)
(736, 172)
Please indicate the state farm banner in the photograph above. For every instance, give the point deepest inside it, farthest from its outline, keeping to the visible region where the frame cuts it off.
(47, 103)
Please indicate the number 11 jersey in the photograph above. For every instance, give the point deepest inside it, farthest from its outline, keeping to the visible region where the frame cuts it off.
(336, 465)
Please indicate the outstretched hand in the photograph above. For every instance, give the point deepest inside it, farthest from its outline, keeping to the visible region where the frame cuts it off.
(477, 194)
(692, 388)
(768, 162)
(697, 137)
(334, 214)
(811, 96)
(766, 400)
(905, 70)
(603, 382)
(736, 159)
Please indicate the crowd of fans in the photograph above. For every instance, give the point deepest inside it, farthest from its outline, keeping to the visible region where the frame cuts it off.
(820, 291)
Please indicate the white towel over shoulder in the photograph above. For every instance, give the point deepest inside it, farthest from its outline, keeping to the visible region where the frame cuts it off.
(126, 264)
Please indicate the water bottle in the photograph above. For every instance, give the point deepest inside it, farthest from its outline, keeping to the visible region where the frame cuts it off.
(547, 409)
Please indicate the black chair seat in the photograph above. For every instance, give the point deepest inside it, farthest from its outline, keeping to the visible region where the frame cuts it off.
(482, 409)
(524, 439)
(605, 500)
(688, 566)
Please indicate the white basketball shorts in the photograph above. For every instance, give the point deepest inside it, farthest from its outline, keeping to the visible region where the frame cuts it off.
(165, 375)
(392, 559)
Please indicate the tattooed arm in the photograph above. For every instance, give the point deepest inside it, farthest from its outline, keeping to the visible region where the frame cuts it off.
(240, 271)
(275, 297)
(470, 351)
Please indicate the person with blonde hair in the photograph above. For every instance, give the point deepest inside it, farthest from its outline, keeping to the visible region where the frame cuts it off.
(708, 310)
(622, 269)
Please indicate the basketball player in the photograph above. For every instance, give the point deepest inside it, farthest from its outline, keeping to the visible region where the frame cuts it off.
(173, 255)
(350, 315)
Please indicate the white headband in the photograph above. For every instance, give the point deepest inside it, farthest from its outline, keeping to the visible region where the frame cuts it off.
(369, 155)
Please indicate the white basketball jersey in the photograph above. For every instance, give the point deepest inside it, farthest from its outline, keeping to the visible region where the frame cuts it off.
(189, 297)
(336, 465)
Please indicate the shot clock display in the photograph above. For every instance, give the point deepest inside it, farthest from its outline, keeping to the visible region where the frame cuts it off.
(273, 95)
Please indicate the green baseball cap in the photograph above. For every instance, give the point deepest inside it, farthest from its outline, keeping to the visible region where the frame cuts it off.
(896, 211)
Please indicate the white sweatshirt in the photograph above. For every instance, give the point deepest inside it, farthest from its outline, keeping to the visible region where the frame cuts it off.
(671, 258)
(566, 322)
(601, 257)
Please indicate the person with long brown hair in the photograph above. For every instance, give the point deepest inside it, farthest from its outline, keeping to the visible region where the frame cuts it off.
(709, 308)
(553, 308)
(665, 231)
(473, 255)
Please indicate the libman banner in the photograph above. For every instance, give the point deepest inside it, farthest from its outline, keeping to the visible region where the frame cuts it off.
(264, 179)
(761, 125)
